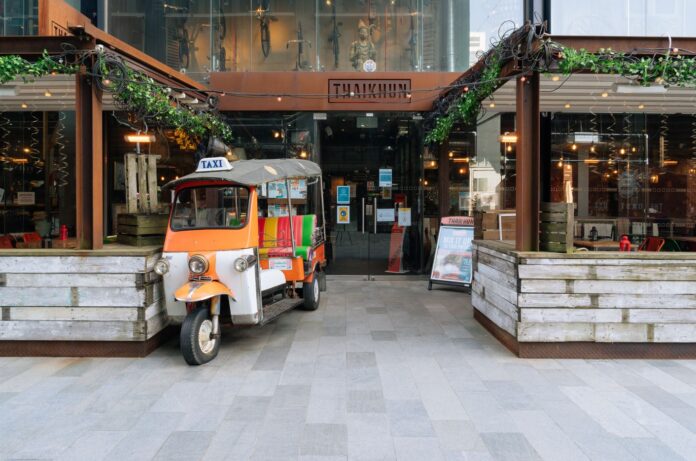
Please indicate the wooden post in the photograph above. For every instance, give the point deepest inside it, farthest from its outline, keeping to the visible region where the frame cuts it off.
(89, 170)
(527, 181)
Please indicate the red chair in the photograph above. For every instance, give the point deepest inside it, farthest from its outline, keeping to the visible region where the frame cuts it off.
(652, 244)
(32, 240)
(6, 241)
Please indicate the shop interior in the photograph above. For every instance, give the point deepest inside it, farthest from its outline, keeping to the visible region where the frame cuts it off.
(627, 152)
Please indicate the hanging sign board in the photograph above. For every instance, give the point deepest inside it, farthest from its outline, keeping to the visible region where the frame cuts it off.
(343, 195)
(452, 264)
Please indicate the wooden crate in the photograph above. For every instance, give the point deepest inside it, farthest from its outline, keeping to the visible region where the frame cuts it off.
(556, 227)
(142, 229)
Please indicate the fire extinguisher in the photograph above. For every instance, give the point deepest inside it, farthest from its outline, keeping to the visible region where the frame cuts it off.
(624, 243)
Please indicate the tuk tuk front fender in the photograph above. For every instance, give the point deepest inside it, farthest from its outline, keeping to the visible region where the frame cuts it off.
(192, 292)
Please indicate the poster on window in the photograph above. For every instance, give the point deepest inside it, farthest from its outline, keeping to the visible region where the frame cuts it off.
(298, 189)
(452, 263)
(343, 214)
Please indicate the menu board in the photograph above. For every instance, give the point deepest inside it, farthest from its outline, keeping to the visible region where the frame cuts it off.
(453, 264)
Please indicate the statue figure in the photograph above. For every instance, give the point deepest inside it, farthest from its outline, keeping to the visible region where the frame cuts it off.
(362, 49)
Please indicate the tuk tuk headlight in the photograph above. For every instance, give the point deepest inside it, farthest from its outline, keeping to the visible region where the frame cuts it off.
(198, 264)
(244, 262)
(161, 267)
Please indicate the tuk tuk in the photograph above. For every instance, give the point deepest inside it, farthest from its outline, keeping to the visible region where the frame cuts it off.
(244, 245)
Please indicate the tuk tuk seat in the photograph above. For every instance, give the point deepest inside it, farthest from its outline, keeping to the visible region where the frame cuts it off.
(275, 239)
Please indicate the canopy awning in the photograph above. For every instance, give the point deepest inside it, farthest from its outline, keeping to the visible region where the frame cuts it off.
(255, 172)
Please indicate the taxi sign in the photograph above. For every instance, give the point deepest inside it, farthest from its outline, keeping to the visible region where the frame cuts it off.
(213, 164)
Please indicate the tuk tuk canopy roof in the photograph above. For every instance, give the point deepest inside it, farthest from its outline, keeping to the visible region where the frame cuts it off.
(254, 172)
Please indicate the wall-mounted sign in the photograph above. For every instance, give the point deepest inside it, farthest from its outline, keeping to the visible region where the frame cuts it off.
(343, 195)
(25, 198)
(370, 90)
(343, 214)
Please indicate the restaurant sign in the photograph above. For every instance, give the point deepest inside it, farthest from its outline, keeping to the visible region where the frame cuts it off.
(370, 90)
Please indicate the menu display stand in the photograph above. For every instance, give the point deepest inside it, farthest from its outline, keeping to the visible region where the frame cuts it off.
(452, 264)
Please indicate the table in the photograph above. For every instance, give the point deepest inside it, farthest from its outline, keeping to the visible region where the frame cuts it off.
(598, 245)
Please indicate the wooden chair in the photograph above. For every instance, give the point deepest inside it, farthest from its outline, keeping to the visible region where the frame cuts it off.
(652, 244)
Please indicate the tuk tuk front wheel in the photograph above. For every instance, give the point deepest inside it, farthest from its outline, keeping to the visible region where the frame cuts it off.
(310, 294)
(198, 345)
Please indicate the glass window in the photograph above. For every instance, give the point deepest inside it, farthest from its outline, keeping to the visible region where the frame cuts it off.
(19, 17)
(659, 18)
(200, 36)
(211, 207)
(37, 175)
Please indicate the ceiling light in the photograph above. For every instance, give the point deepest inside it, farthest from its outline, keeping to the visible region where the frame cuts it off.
(48, 93)
(140, 138)
(567, 106)
(641, 106)
(24, 106)
(574, 147)
(491, 105)
(555, 78)
(638, 89)
(605, 94)
(26, 150)
(279, 98)
(507, 138)
(591, 161)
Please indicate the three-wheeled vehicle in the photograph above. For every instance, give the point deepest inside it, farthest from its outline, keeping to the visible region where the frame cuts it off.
(242, 247)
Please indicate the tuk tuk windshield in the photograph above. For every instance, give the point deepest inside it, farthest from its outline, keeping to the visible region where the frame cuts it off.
(211, 207)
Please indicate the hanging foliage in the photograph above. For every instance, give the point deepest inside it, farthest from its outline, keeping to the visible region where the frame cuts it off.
(464, 105)
(148, 101)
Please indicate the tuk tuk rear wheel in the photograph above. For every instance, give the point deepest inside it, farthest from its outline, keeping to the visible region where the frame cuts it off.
(310, 294)
(195, 340)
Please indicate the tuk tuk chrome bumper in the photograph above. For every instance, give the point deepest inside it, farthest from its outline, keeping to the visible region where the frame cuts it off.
(201, 290)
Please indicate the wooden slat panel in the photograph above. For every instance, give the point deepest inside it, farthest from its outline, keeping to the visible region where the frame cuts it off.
(674, 333)
(552, 246)
(674, 315)
(551, 315)
(503, 291)
(630, 287)
(77, 264)
(56, 330)
(494, 314)
(96, 314)
(544, 286)
(70, 280)
(555, 227)
(553, 217)
(555, 207)
(499, 264)
(555, 332)
(621, 333)
(131, 170)
(613, 301)
(143, 203)
(507, 280)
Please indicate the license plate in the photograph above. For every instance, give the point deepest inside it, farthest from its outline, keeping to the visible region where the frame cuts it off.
(283, 264)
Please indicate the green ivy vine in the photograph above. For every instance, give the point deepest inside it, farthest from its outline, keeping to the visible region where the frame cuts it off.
(137, 93)
(665, 69)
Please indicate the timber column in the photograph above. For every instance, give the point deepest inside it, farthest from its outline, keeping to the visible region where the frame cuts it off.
(528, 165)
(89, 158)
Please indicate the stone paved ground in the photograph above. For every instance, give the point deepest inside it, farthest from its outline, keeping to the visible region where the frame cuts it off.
(381, 371)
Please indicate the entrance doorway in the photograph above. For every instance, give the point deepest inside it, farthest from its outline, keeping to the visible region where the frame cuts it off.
(373, 169)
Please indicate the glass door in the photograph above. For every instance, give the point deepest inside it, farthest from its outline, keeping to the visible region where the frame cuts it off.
(373, 170)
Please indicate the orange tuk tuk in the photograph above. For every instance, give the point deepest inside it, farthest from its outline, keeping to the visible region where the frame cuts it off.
(245, 243)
